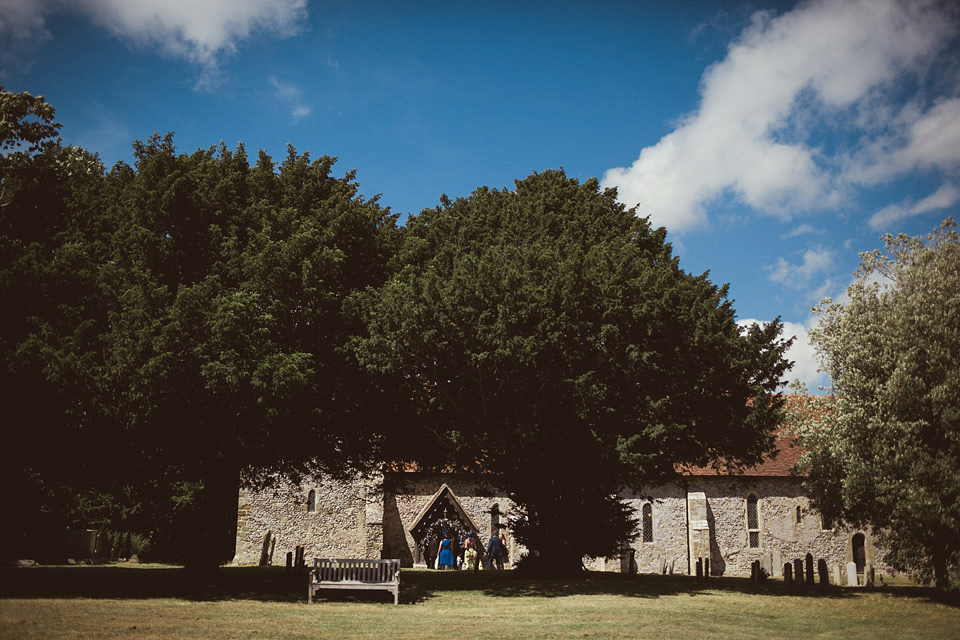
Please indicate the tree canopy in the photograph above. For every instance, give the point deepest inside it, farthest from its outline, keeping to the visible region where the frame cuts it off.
(186, 314)
(548, 338)
(885, 449)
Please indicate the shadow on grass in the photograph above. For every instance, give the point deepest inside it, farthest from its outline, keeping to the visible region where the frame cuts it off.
(423, 584)
(276, 584)
(266, 584)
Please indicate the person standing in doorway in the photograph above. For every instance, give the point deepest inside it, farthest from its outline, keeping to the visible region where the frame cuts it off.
(445, 558)
(495, 551)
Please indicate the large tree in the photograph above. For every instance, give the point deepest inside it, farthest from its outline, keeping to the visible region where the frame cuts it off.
(885, 449)
(183, 319)
(548, 338)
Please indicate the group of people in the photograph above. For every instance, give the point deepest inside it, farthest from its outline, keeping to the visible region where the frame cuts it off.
(472, 554)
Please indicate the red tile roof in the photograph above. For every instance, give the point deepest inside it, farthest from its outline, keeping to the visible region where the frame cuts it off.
(780, 464)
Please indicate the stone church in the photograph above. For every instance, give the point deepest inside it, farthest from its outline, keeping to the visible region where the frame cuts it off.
(729, 520)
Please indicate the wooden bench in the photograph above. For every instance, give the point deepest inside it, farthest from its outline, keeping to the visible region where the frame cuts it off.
(330, 573)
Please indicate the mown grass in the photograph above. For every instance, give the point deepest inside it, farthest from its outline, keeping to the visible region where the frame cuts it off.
(164, 602)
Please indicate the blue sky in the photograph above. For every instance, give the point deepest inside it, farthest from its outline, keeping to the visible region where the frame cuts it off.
(774, 140)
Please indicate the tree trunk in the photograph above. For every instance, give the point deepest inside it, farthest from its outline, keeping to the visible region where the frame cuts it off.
(214, 525)
(941, 575)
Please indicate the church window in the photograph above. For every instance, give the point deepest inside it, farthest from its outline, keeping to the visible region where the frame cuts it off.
(647, 522)
(799, 515)
(753, 521)
(311, 501)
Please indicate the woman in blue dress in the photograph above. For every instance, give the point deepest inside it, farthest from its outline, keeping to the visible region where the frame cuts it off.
(445, 554)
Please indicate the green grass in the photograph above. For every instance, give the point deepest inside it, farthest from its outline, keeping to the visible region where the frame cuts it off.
(163, 602)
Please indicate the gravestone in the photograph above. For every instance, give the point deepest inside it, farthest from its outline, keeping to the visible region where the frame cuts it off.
(852, 574)
(798, 570)
(787, 574)
(777, 564)
(265, 552)
(755, 571)
(822, 572)
(868, 575)
(289, 560)
(706, 568)
(699, 568)
(837, 575)
(808, 568)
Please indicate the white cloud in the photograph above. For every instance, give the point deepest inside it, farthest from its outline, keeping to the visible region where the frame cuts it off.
(803, 229)
(919, 140)
(799, 276)
(200, 31)
(750, 137)
(806, 364)
(292, 96)
(22, 30)
(946, 196)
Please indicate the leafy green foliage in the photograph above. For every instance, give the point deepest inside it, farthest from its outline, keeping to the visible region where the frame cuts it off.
(884, 451)
(177, 321)
(547, 337)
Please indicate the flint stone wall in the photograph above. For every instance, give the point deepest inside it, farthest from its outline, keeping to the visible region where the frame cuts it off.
(342, 526)
(372, 518)
(782, 538)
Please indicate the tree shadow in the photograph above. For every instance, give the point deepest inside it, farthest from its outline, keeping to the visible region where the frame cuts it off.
(420, 585)
(267, 584)
(276, 584)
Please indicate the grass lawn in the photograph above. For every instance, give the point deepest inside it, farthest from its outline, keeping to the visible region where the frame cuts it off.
(161, 602)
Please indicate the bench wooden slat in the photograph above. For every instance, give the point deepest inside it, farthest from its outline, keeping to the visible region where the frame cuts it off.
(354, 573)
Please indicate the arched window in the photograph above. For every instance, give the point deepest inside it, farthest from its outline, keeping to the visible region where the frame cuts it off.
(647, 522)
(753, 521)
(311, 501)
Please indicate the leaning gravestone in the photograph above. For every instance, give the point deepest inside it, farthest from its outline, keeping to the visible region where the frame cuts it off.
(852, 574)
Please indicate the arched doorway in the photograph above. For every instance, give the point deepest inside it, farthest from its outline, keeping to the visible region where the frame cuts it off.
(859, 544)
(442, 515)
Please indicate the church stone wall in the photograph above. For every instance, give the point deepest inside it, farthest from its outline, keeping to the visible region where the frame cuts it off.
(782, 538)
(373, 518)
(337, 528)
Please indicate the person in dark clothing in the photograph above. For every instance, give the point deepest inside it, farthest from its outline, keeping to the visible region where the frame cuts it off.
(495, 552)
